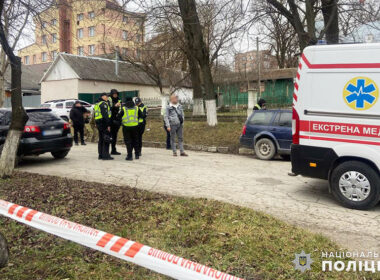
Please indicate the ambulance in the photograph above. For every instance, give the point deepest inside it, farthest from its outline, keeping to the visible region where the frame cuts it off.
(336, 121)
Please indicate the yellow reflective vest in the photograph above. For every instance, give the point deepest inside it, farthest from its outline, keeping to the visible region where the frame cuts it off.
(130, 116)
(98, 112)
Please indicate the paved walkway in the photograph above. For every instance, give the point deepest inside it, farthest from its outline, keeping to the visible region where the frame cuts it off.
(261, 185)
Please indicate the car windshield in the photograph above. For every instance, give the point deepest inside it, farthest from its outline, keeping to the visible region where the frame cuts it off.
(43, 117)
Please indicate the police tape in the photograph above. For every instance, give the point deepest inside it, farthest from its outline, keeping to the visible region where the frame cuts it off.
(128, 250)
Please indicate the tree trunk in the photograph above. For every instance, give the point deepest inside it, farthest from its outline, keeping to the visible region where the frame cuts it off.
(4, 253)
(331, 20)
(8, 158)
(198, 50)
(2, 91)
(212, 119)
(198, 107)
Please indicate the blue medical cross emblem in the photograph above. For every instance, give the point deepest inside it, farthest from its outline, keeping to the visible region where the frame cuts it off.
(360, 93)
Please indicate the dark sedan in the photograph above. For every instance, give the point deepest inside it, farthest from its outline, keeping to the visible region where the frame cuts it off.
(44, 132)
(268, 132)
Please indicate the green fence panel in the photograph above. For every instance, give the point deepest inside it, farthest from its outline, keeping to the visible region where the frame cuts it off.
(93, 97)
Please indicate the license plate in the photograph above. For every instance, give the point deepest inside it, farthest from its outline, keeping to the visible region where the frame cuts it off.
(51, 132)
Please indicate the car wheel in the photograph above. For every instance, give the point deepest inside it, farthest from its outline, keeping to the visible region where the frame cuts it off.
(355, 185)
(60, 154)
(265, 149)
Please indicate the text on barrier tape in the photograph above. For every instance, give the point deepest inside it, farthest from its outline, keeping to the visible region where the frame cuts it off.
(122, 248)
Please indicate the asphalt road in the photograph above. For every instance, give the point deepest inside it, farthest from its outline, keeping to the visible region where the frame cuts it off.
(242, 180)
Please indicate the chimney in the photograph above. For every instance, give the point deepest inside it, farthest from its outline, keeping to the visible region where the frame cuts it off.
(65, 13)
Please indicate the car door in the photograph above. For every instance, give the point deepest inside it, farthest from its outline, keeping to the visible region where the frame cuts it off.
(259, 122)
(282, 129)
(68, 106)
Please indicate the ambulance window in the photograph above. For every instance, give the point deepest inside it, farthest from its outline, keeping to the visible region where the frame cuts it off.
(261, 118)
(285, 119)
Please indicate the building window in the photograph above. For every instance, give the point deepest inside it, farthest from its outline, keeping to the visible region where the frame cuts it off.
(54, 54)
(80, 33)
(43, 39)
(54, 22)
(91, 15)
(91, 31)
(34, 59)
(138, 38)
(125, 19)
(91, 49)
(26, 60)
(80, 17)
(43, 24)
(125, 34)
(80, 51)
(54, 37)
(43, 56)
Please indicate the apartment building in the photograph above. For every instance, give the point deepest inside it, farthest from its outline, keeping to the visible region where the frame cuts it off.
(85, 28)
(247, 61)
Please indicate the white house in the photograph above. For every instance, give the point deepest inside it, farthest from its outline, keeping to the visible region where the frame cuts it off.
(85, 78)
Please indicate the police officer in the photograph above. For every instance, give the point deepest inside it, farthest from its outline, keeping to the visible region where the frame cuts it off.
(130, 115)
(142, 122)
(261, 105)
(115, 104)
(102, 115)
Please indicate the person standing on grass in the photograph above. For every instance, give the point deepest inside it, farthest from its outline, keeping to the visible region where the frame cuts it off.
(77, 119)
(142, 122)
(174, 118)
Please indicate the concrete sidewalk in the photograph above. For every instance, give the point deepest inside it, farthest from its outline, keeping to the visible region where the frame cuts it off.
(245, 181)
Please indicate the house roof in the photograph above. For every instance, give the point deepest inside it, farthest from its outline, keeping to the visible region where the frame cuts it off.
(30, 77)
(102, 69)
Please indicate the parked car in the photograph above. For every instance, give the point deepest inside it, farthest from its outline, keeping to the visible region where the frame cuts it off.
(62, 107)
(268, 132)
(44, 132)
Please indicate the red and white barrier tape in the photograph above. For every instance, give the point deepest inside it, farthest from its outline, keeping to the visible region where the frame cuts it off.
(153, 259)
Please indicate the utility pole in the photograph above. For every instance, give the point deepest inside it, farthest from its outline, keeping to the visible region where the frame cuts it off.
(258, 67)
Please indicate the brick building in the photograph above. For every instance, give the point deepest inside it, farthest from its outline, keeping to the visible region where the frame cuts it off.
(86, 28)
(247, 62)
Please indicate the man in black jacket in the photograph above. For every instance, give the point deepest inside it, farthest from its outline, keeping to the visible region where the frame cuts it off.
(142, 122)
(115, 105)
(77, 118)
(102, 114)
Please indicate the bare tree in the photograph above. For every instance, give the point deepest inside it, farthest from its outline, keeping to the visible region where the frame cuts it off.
(13, 29)
(19, 116)
(197, 49)
(302, 16)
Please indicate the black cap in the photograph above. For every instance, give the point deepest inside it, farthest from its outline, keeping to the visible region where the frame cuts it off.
(77, 102)
(138, 100)
(103, 94)
(114, 91)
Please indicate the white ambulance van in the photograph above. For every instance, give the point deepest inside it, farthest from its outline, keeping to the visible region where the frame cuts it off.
(336, 121)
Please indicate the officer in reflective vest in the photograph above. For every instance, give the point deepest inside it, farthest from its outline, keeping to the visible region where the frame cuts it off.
(115, 104)
(261, 105)
(142, 121)
(130, 115)
(102, 116)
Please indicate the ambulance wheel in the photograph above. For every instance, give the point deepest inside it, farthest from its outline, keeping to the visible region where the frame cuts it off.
(265, 149)
(355, 185)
